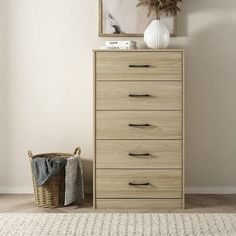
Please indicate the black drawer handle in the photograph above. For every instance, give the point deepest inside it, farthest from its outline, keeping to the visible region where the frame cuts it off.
(136, 184)
(139, 154)
(139, 66)
(139, 95)
(139, 125)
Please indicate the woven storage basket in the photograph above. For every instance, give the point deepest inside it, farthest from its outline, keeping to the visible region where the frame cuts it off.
(52, 193)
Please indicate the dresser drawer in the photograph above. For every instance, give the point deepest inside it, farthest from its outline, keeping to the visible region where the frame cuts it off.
(139, 154)
(139, 95)
(138, 183)
(137, 64)
(138, 124)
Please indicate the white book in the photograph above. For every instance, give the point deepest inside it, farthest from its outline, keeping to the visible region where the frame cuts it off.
(119, 48)
(120, 43)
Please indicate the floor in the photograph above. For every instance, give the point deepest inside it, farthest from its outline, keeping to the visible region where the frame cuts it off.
(194, 203)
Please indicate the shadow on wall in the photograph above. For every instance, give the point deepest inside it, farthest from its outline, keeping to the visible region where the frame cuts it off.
(210, 93)
(88, 171)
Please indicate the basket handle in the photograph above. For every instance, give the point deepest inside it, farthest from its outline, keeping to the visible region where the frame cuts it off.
(77, 151)
(30, 154)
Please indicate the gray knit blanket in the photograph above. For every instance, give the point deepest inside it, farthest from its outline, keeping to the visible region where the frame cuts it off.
(45, 168)
(74, 186)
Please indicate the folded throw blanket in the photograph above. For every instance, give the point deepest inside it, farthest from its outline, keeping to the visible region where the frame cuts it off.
(74, 189)
(45, 168)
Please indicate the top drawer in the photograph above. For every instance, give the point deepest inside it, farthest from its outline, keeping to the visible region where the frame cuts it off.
(138, 65)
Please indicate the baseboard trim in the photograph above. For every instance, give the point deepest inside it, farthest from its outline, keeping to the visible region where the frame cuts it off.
(5, 190)
(188, 190)
(210, 189)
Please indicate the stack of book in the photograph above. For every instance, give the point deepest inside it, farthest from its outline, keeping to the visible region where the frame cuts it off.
(120, 45)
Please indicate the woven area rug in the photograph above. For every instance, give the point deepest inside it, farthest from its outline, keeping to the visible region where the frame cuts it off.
(117, 224)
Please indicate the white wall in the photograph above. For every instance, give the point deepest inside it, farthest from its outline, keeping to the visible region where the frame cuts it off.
(48, 93)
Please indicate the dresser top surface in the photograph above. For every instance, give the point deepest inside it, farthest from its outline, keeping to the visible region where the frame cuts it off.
(140, 50)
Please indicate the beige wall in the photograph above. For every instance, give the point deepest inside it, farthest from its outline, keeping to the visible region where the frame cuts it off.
(48, 90)
(3, 95)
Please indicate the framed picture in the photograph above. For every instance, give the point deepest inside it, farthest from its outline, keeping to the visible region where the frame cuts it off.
(121, 18)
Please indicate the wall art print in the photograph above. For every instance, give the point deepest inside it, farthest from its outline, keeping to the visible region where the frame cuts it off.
(121, 18)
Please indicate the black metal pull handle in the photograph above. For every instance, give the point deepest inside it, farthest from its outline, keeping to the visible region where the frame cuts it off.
(139, 95)
(139, 154)
(137, 184)
(139, 125)
(139, 66)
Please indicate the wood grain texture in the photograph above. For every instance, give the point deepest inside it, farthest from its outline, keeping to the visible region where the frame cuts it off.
(162, 75)
(139, 77)
(142, 50)
(150, 204)
(183, 127)
(120, 95)
(115, 125)
(162, 154)
(119, 62)
(94, 130)
(113, 183)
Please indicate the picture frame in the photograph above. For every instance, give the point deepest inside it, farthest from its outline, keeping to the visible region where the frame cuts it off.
(106, 16)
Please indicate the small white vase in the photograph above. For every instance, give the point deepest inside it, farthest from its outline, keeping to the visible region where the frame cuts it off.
(157, 35)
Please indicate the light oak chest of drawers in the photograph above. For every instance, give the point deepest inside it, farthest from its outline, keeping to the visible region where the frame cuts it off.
(139, 129)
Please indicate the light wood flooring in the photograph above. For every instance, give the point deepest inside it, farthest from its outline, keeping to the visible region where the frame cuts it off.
(194, 203)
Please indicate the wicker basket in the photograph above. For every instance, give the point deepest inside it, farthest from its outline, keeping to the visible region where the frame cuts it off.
(52, 193)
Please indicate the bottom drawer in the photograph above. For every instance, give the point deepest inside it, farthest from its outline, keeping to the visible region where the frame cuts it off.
(138, 203)
(141, 184)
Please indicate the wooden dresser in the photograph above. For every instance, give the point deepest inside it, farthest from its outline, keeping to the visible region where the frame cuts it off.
(139, 129)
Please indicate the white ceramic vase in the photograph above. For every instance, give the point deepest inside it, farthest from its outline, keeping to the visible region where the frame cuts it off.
(157, 35)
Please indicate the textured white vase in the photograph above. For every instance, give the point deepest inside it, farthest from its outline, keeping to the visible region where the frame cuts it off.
(157, 35)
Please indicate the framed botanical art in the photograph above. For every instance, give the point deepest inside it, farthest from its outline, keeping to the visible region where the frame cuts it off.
(121, 18)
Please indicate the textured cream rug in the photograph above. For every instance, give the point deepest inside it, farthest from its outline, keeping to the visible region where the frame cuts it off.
(115, 224)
